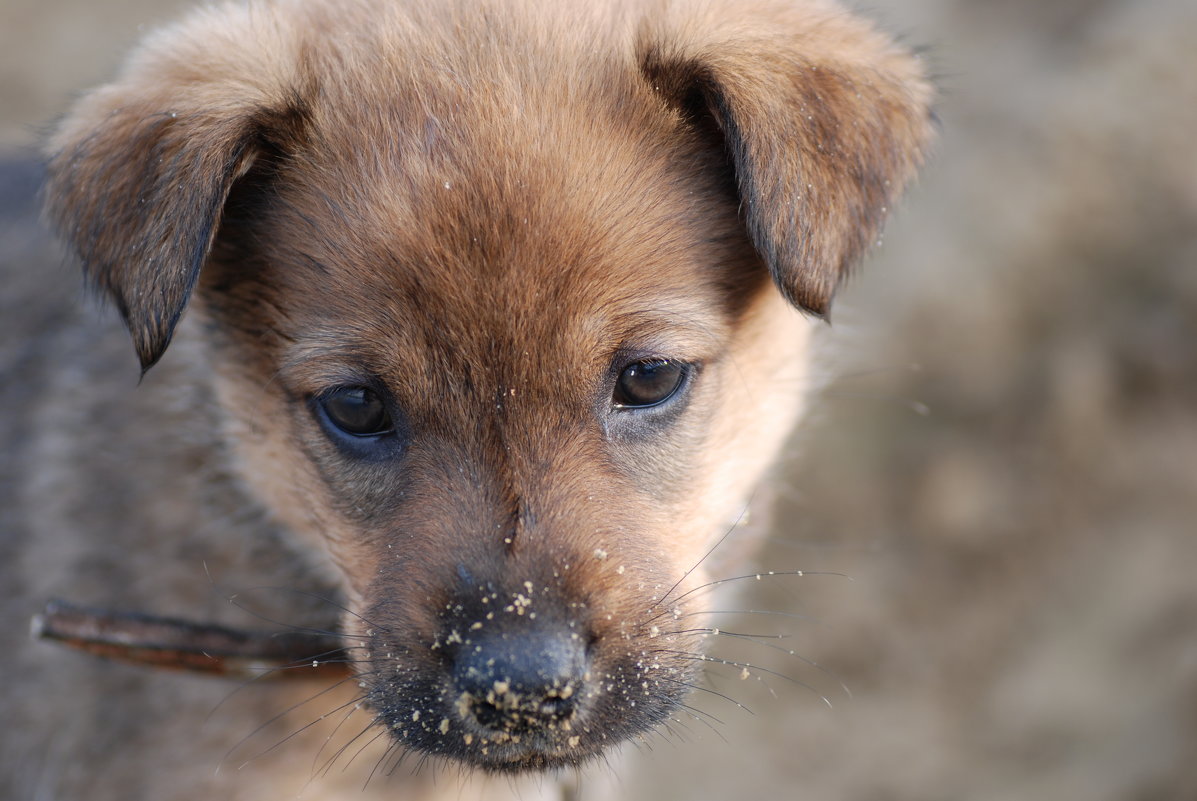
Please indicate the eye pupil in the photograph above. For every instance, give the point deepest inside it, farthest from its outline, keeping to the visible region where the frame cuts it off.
(648, 383)
(357, 411)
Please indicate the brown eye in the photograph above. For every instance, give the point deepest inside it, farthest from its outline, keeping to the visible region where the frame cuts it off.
(648, 383)
(357, 411)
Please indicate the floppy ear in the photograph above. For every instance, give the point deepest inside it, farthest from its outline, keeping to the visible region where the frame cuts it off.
(824, 121)
(139, 171)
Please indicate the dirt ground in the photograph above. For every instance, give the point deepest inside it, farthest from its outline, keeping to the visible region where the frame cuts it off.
(1004, 461)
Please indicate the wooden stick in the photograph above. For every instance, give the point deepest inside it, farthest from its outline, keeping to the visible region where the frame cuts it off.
(175, 644)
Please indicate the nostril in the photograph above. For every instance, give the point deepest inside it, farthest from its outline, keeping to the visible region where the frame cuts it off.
(518, 682)
(558, 707)
(503, 707)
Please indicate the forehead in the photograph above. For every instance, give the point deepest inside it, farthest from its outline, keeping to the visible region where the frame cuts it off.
(557, 206)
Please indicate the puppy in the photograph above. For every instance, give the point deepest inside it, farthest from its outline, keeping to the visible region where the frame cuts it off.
(490, 316)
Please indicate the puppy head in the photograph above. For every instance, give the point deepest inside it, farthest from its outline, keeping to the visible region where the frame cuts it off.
(487, 291)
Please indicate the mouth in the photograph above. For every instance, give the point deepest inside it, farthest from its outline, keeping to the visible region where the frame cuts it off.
(519, 736)
(504, 731)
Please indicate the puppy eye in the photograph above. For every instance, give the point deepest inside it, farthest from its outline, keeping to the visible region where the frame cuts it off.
(648, 383)
(357, 411)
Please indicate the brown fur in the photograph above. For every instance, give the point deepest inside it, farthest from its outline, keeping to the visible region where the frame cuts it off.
(487, 210)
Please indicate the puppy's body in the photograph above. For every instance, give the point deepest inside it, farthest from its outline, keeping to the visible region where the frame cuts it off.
(485, 357)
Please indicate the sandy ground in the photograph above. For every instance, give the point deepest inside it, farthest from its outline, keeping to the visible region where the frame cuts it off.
(1004, 464)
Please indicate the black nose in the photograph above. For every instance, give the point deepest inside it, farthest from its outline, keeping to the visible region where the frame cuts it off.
(520, 682)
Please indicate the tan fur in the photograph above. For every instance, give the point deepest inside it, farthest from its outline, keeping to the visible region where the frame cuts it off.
(490, 209)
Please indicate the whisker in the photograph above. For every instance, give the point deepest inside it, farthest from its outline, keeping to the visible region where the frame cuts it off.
(289, 626)
(711, 674)
(758, 576)
(332, 760)
(791, 615)
(700, 688)
(352, 703)
(235, 601)
(606, 757)
(746, 667)
(695, 713)
(725, 633)
(726, 534)
(381, 733)
(685, 734)
(386, 755)
(403, 754)
(349, 708)
(307, 663)
(275, 719)
(670, 735)
(761, 640)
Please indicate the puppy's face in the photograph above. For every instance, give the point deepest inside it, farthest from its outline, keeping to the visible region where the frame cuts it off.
(518, 394)
(492, 317)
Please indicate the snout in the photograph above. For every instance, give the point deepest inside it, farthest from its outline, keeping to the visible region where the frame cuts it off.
(520, 676)
(505, 681)
(520, 662)
(520, 683)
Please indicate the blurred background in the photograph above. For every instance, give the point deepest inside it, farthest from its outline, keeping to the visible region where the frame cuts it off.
(1003, 462)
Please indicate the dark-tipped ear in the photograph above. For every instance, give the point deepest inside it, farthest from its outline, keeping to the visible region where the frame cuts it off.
(823, 118)
(139, 171)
